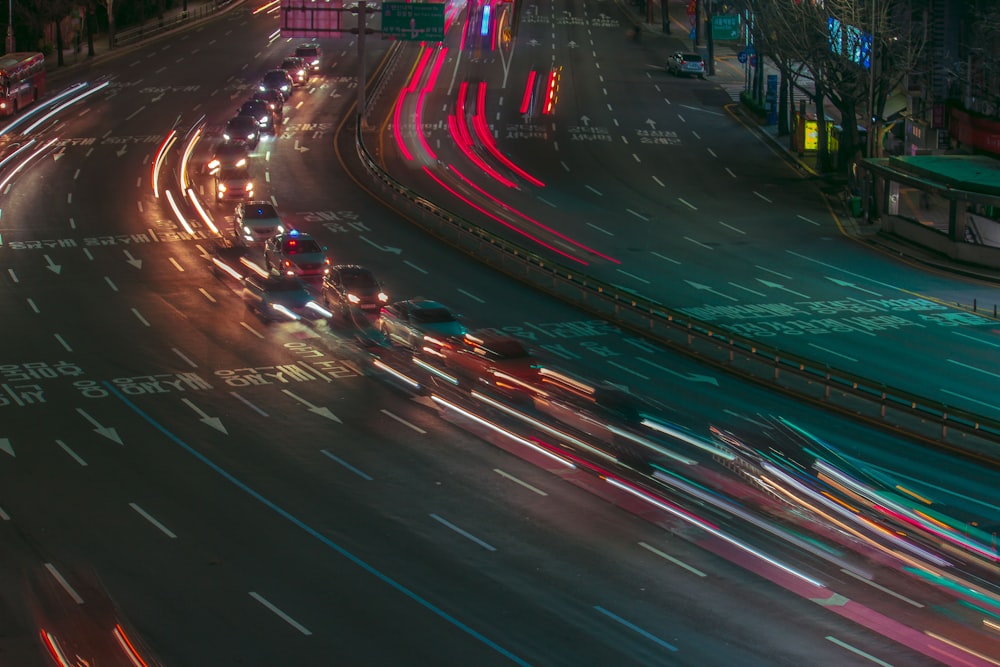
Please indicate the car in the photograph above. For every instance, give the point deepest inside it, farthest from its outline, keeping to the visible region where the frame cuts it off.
(277, 79)
(311, 53)
(492, 358)
(349, 286)
(691, 64)
(273, 99)
(228, 155)
(261, 113)
(256, 221)
(242, 130)
(233, 183)
(296, 254)
(281, 297)
(416, 322)
(298, 69)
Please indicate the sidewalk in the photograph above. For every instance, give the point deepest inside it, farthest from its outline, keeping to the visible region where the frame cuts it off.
(128, 36)
(733, 76)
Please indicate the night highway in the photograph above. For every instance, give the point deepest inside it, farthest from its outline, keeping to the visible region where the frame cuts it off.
(185, 483)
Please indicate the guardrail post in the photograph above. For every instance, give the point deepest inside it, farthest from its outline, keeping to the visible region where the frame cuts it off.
(826, 389)
(882, 407)
(944, 425)
(777, 368)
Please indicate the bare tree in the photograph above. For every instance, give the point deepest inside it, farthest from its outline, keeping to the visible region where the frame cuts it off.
(109, 5)
(854, 53)
(52, 13)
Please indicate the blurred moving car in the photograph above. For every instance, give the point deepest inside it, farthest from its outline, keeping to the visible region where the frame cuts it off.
(296, 254)
(493, 358)
(311, 53)
(298, 69)
(277, 79)
(415, 322)
(227, 155)
(690, 64)
(280, 297)
(254, 222)
(260, 112)
(233, 183)
(242, 130)
(350, 286)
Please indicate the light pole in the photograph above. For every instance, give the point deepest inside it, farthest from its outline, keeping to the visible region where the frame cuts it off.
(10, 26)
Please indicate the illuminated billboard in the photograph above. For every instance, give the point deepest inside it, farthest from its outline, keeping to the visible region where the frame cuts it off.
(850, 42)
(311, 18)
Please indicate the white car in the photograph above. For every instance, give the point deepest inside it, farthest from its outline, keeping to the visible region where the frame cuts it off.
(254, 222)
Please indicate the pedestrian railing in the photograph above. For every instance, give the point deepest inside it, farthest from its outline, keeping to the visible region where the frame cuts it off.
(170, 21)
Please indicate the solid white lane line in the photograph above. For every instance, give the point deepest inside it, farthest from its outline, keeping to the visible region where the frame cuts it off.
(76, 457)
(628, 370)
(675, 561)
(463, 533)
(62, 582)
(833, 352)
(402, 421)
(184, 357)
(280, 614)
(858, 651)
(145, 515)
(507, 475)
(471, 296)
(881, 587)
(252, 330)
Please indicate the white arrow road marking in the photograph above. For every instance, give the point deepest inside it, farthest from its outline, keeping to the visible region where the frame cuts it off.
(322, 412)
(844, 283)
(51, 266)
(107, 431)
(214, 422)
(137, 263)
(773, 285)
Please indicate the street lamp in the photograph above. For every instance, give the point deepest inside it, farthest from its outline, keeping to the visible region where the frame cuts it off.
(10, 26)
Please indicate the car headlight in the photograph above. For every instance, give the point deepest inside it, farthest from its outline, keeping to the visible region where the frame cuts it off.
(214, 164)
(242, 162)
(249, 187)
(262, 88)
(222, 187)
(246, 230)
(226, 136)
(383, 297)
(281, 229)
(284, 87)
(353, 298)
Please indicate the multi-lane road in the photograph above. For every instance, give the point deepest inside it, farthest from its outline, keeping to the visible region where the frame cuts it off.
(233, 492)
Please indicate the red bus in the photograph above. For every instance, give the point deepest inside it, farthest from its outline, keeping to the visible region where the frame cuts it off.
(22, 80)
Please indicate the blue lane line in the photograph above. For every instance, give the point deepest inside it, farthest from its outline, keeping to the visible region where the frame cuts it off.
(632, 626)
(360, 473)
(427, 604)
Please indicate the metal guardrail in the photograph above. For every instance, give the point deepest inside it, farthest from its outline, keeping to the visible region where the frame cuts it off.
(854, 395)
(151, 29)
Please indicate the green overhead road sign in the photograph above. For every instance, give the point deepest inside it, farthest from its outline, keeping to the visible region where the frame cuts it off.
(414, 21)
(726, 27)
